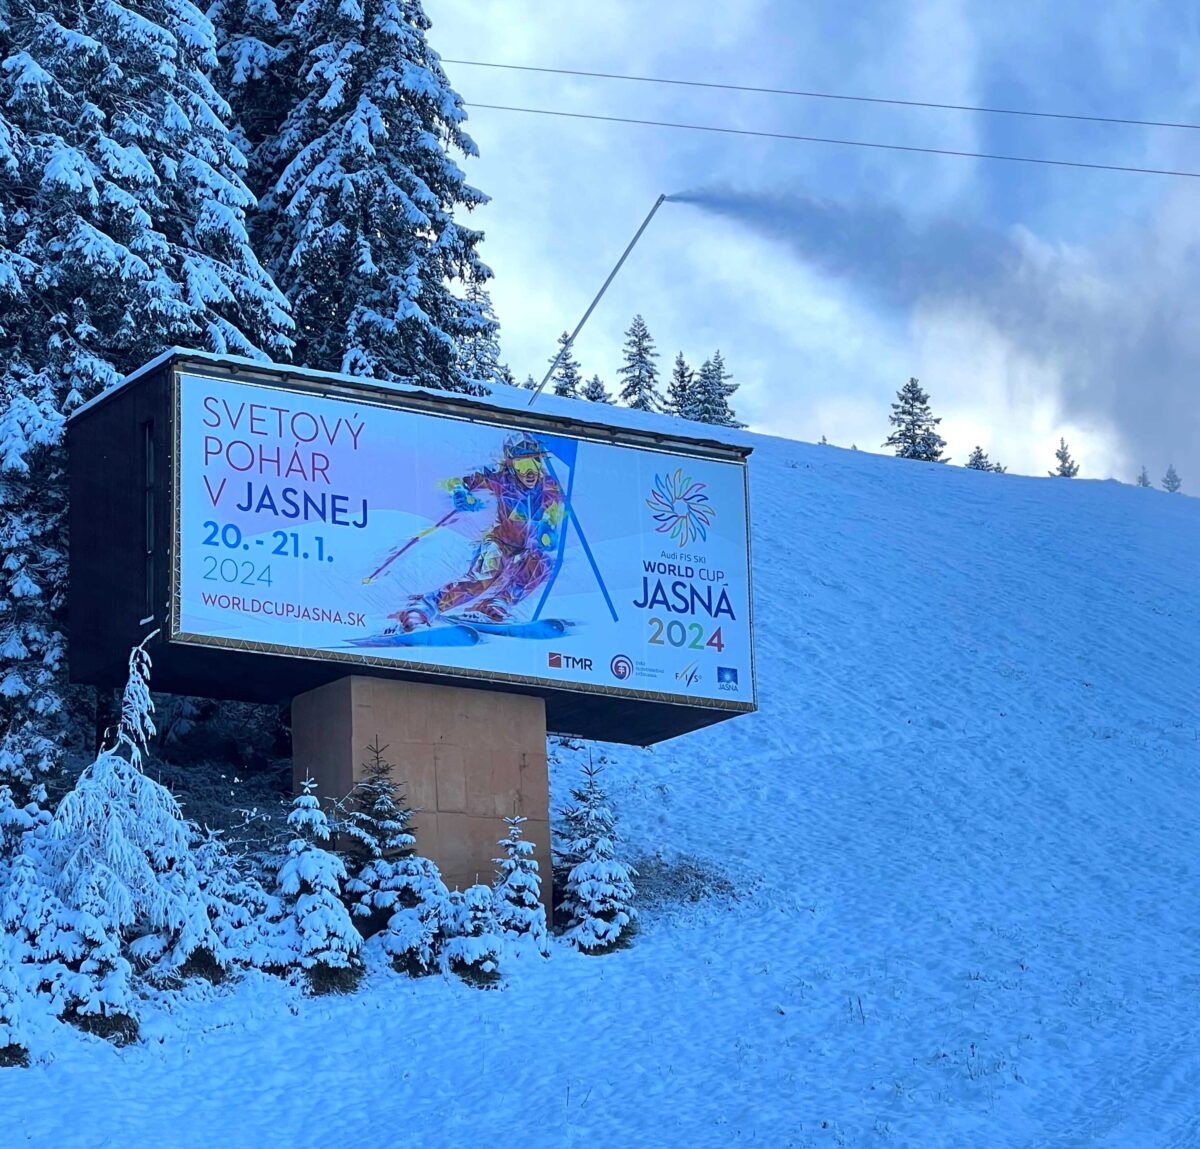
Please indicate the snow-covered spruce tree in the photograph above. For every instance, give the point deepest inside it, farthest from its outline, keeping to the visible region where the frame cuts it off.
(375, 825)
(14, 1040)
(315, 931)
(1067, 467)
(567, 378)
(474, 941)
(237, 906)
(416, 930)
(711, 392)
(679, 388)
(359, 194)
(530, 383)
(254, 62)
(596, 391)
(122, 231)
(517, 892)
(640, 387)
(45, 946)
(915, 435)
(479, 352)
(979, 461)
(117, 857)
(1171, 480)
(504, 375)
(1143, 479)
(598, 899)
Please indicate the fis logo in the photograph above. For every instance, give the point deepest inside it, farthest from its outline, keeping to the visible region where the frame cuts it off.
(568, 662)
(689, 675)
(727, 678)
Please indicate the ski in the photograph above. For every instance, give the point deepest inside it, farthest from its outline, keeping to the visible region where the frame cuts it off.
(542, 628)
(452, 634)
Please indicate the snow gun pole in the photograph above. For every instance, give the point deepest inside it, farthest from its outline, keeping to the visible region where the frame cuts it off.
(411, 543)
(599, 294)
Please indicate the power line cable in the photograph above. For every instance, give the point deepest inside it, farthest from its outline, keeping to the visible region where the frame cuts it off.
(840, 142)
(827, 95)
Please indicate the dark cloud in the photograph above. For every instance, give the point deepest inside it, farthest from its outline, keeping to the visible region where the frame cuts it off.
(1114, 319)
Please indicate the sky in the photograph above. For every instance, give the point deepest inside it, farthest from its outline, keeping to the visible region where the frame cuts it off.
(1032, 302)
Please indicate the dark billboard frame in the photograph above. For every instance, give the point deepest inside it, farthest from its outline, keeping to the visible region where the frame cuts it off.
(132, 435)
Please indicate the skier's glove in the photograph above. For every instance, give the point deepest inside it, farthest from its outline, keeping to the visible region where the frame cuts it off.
(464, 500)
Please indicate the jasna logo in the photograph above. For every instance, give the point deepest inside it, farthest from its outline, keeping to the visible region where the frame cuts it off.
(680, 507)
(727, 676)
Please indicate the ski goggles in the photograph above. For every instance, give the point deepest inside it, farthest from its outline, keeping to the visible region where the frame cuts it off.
(527, 466)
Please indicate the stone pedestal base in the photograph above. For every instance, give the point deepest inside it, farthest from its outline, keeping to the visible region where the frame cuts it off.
(467, 759)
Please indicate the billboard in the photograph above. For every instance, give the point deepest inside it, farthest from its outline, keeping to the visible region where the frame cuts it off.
(332, 526)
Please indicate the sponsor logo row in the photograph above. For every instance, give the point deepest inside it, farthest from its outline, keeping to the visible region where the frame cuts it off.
(622, 667)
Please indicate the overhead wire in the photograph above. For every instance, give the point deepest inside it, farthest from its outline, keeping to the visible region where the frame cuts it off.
(813, 95)
(878, 145)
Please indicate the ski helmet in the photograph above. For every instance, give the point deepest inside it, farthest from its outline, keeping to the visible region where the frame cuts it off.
(522, 446)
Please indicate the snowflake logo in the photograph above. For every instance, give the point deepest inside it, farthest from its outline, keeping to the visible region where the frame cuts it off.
(681, 508)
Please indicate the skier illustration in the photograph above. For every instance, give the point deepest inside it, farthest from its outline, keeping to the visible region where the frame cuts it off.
(514, 556)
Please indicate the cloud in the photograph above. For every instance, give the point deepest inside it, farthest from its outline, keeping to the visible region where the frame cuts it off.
(1101, 332)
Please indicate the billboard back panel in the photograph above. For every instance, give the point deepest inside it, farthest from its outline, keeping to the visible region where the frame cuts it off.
(335, 527)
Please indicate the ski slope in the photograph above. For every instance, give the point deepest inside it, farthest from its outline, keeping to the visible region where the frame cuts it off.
(964, 834)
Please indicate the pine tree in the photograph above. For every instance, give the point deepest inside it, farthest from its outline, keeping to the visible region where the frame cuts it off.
(14, 1038)
(359, 195)
(567, 377)
(122, 232)
(376, 824)
(824, 442)
(473, 945)
(711, 392)
(915, 436)
(530, 383)
(315, 930)
(46, 947)
(598, 900)
(1171, 481)
(1143, 479)
(679, 389)
(416, 930)
(255, 70)
(479, 352)
(517, 892)
(640, 389)
(979, 461)
(236, 902)
(504, 375)
(1067, 467)
(596, 391)
(117, 857)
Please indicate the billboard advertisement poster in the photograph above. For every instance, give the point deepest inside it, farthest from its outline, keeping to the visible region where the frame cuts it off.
(330, 526)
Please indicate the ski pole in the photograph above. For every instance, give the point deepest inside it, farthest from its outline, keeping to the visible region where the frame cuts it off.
(411, 543)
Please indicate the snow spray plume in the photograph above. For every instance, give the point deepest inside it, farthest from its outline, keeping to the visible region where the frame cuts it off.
(1106, 318)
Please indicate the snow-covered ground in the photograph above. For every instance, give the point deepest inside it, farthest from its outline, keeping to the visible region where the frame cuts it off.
(964, 829)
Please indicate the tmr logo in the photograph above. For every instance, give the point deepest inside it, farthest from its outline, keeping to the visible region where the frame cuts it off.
(727, 678)
(568, 662)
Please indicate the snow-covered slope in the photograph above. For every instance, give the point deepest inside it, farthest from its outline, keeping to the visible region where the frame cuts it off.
(964, 831)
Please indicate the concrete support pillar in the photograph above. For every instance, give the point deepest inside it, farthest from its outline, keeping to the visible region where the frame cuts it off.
(467, 759)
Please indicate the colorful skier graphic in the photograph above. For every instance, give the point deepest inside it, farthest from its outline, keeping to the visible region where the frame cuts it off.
(515, 555)
(681, 508)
